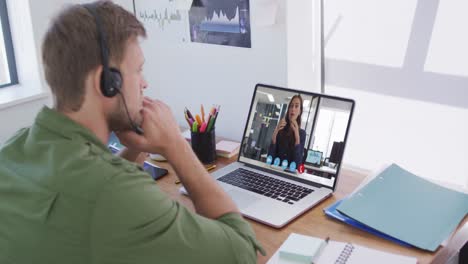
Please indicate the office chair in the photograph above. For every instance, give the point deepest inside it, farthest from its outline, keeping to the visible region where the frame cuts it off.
(336, 153)
(304, 156)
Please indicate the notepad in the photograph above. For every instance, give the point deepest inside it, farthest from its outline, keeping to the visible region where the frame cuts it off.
(303, 249)
(187, 135)
(407, 207)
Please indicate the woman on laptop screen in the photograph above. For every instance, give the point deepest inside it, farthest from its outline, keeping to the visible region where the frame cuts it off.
(288, 139)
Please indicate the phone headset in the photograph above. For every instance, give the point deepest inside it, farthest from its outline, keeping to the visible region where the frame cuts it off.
(111, 78)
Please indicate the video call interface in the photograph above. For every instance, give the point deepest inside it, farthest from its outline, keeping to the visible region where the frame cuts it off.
(314, 152)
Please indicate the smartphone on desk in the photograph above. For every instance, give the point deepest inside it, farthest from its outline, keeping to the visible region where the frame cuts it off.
(153, 170)
(156, 172)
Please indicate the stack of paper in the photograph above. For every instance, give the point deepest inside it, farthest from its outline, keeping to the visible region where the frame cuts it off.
(407, 207)
(227, 149)
(187, 135)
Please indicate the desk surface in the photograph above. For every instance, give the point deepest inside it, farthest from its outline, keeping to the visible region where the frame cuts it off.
(313, 222)
(322, 169)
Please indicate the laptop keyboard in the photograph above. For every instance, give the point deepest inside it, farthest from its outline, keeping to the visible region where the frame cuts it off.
(267, 186)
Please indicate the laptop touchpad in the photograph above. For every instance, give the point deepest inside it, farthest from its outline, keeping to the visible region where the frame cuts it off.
(242, 199)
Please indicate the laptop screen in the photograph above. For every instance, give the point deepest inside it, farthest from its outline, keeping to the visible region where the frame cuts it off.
(299, 134)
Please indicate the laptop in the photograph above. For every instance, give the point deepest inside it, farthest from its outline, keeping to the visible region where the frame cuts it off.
(265, 185)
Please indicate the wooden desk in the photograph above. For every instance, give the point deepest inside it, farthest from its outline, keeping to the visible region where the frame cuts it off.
(313, 222)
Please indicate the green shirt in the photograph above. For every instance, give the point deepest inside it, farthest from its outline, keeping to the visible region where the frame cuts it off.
(64, 198)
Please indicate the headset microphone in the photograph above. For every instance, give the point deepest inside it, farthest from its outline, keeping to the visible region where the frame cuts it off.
(136, 128)
(111, 78)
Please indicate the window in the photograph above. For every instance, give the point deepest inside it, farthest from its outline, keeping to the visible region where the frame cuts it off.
(331, 126)
(8, 75)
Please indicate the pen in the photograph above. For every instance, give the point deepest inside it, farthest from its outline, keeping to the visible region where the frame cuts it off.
(195, 127)
(320, 250)
(216, 117)
(187, 119)
(188, 113)
(211, 123)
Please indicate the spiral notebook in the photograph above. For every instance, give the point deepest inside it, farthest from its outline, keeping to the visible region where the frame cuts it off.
(340, 253)
(346, 253)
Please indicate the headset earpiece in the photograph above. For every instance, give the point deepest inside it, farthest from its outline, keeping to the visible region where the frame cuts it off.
(116, 78)
(111, 84)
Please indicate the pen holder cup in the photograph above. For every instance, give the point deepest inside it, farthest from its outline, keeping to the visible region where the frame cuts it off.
(204, 146)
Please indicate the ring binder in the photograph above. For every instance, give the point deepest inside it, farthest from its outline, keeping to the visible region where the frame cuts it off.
(345, 253)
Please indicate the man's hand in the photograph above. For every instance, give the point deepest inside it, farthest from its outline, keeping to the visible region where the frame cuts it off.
(160, 126)
(162, 136)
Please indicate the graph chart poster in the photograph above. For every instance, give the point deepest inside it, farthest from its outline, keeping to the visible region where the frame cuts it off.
(221, 22)
(166, 20)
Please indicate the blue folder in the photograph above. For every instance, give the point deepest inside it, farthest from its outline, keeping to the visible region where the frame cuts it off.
(333, 213)
(407, 207)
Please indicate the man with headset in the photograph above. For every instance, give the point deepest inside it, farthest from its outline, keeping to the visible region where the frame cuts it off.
(67, 199)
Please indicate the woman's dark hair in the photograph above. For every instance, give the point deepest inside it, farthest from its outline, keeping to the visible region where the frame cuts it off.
(299, 117)
(286, 132)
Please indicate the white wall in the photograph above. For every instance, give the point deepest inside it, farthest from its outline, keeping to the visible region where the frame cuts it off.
(404, 64)
(186, 75)
(20, 116)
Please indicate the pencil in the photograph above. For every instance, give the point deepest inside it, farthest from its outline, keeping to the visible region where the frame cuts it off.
(202, 113)
(211, 167)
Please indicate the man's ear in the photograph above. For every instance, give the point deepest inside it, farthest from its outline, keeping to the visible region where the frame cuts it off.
(95, 79)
